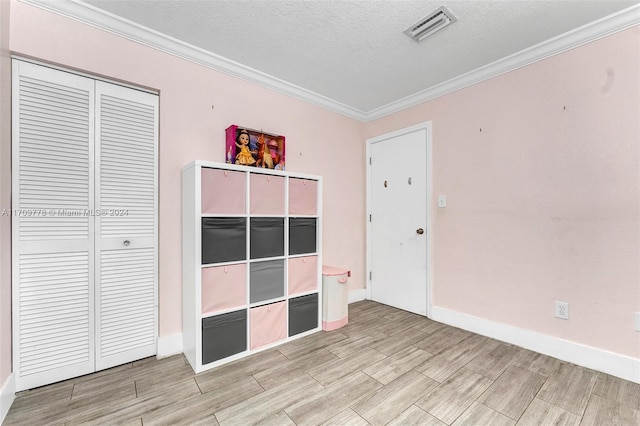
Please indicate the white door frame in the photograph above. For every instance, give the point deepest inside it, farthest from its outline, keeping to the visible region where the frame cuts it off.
(421, 126)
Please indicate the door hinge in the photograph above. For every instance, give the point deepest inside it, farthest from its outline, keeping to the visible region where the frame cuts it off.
(370, 275)
(369, 160)
(369, 218)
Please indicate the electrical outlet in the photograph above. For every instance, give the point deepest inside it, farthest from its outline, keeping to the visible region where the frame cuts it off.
(562, 310)
(442, 201)
(637, 322)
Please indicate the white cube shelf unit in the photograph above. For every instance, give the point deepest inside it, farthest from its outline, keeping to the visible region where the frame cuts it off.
(251, 260)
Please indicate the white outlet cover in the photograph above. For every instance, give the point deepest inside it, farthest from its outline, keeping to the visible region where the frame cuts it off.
(562, 310)
(637, 325)
(442, 201)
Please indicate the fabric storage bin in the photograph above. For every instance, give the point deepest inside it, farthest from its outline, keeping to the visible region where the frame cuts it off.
(224, 239)
(224, 335)
(303, 314)
(302, 235)
(267, 237)
(268, 324)
(266, 280)
(303, 197)
(223, 191)
(266, 194)
(303, 274)
(223, 287)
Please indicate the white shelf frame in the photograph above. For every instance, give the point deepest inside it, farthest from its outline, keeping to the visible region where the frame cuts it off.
(192, 255)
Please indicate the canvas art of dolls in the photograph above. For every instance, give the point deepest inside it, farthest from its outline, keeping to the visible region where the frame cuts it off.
(254, 148)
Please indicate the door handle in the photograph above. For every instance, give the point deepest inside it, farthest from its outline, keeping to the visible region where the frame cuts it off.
(420, 231)
(126, 243)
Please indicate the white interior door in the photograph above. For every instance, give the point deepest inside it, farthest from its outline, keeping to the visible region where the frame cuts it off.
(52, 236)
(126, 205)
(398, 228)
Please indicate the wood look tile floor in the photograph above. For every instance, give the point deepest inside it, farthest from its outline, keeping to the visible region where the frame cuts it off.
(386, 367)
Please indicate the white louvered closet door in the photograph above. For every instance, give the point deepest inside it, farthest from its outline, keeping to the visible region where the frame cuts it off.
(53, 236)
(84, 230)
(126, 141)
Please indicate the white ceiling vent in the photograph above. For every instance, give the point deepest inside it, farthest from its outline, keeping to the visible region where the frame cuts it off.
(430, 24)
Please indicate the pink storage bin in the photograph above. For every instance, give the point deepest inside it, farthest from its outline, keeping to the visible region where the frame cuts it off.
(223, 287)
(266, 194)
(268, 324)
(303, 197)
(303, 274)
(222, 191)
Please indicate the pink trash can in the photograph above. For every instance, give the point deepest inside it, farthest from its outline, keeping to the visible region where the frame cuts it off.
(335, 298)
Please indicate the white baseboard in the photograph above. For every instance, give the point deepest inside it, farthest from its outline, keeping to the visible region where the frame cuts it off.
(611, 363)
(169, 345)
(7, 395)
(357, 295)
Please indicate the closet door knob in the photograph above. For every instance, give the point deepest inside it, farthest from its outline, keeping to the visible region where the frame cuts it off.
(126, 243)
(420, 231)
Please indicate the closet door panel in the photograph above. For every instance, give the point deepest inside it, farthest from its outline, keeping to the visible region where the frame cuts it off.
(126, 315)
(126, 205)
(56, 330)
(52, 230)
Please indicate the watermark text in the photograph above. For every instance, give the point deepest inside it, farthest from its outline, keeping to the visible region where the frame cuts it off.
(64, 212)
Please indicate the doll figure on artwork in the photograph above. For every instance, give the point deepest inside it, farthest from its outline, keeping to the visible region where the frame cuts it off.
(273, 152)
(280, 165)
(244, 157)
(229, 155)
(264, 156)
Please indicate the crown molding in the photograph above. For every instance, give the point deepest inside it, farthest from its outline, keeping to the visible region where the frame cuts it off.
(595, 30)
(125, 28)
(106, 21)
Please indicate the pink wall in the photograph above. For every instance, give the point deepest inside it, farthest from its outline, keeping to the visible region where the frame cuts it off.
(196, 105)
(542, 203)
(541, 168)
(5, 195)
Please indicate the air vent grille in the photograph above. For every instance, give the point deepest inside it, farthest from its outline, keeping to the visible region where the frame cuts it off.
(430, 24)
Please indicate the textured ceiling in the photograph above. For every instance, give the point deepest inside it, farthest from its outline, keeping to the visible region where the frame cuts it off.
(354, 52)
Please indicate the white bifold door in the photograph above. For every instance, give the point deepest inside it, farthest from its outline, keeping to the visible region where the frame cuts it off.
(84, 241)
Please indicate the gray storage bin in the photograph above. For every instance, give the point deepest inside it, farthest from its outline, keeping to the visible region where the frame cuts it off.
(224, 239)
(266, 280)
(224, 335)
(303, 314)
(302, 235)
(267, 237)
